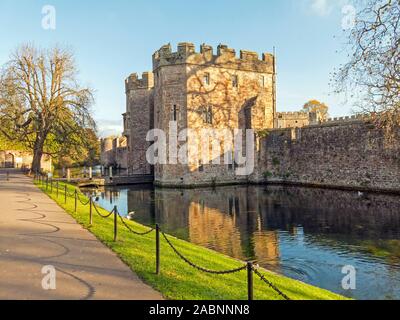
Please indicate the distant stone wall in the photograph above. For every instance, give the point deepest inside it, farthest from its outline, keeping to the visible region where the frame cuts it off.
(343, 152)
(22, 160)
(292, 120)
(114, 152)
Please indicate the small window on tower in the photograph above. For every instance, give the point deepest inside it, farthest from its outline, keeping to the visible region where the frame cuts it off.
(206, 114)
(235, 81)
(206, 79)
(175, 112)
(262, 81)
(209, 116)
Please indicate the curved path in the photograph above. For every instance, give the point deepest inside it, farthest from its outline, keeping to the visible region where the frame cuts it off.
(35, 232)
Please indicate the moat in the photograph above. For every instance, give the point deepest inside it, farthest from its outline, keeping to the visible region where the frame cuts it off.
(306, 234)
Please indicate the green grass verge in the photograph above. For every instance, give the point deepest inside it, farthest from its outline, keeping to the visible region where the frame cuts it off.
(177, 280)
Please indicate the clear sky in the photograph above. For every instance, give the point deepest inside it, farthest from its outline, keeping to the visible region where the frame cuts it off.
(114, 38)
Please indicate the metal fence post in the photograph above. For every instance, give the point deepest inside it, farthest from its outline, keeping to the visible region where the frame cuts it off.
(115, 223)
(65, 193)
(57, 189)
(157, 249)
(76, 200)
(47, 183)
(250, 280)
(51, 185)
(90, 211)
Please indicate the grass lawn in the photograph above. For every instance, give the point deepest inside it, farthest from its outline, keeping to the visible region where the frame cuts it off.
(177, 280)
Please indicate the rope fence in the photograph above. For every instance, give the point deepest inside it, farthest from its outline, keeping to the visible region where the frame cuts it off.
(248, 266)
(131, 230)
(101, 215)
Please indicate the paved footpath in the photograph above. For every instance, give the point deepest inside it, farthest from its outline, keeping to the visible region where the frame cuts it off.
(35, 232)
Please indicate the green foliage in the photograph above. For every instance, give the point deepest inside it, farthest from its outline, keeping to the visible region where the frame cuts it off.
(85, 152)
(275, 161)
(268, 174)
(178, 280)
(6, 144)
(263, 133)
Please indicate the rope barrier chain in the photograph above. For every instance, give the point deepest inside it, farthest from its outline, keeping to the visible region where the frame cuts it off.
(270, 284)
(198, 267)
(98, 212)
(133, 231)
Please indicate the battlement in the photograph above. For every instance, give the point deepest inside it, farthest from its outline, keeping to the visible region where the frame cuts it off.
(344, 120)
(225, 56)
(133, 82)
(292, 115)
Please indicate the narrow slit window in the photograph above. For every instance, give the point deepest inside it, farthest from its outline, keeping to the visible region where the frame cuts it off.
(235, 81)
(206, 79)
(263, 81)
(175, 113)
(209, 115)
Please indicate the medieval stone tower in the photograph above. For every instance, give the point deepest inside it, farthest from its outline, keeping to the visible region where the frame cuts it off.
(198, 90)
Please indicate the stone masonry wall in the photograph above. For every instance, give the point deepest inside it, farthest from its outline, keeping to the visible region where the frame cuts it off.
(239, 91)
(22, 160)
(139, 121)
(348, 154)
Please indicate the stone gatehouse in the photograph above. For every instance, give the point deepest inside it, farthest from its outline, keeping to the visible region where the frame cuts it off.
(197, 89)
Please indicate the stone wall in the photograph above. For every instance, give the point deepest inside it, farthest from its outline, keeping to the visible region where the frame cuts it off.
(114, 152)
(22, 160)
(292, 120)
(345, 153)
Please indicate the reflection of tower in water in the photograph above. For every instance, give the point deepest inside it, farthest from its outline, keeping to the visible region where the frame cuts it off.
(214, 229)
(228, 232)
(267, 247)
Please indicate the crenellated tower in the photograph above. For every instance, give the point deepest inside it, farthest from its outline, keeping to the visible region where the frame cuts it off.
(198, 89)
(138, 120)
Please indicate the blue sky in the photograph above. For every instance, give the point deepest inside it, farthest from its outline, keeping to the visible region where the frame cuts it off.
(112, 39)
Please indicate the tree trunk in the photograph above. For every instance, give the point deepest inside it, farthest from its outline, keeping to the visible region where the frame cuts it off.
(37, 156)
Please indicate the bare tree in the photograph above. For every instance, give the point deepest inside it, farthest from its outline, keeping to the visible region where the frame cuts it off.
(41, 103)
(373, 73)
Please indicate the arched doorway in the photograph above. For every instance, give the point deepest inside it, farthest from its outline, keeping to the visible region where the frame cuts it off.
(9, 163)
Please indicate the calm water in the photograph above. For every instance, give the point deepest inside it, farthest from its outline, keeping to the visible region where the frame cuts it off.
(306, 234)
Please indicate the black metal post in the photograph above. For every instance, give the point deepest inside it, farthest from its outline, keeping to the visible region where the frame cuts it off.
(76, 200)
(250, 280)
(8, 176)
(57, 189)
(47, 183)
(65, 193)
(115, 223)
(51, 185)
(90, 211)
(157, 249)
